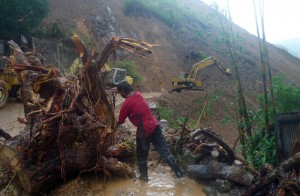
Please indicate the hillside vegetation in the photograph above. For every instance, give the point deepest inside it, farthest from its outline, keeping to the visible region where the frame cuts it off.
(184, 33)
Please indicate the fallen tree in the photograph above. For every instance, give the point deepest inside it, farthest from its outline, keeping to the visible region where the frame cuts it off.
(285, 184)
(216, 160)
(216, 170)
(70, 122)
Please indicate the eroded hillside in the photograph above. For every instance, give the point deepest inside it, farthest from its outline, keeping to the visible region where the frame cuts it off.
(179, 47)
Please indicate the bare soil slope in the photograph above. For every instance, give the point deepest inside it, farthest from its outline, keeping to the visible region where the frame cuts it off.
(177, 51)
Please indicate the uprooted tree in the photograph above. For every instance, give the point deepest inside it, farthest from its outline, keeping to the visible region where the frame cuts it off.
(70, 122)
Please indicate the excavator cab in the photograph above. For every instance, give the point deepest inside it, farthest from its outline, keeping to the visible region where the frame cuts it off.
(118, 75)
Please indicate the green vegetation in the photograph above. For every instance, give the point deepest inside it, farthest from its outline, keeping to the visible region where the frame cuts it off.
(22, 17)
(130, 70)
(260, 149)
(168, 115)
(59, 29)
(287, 96)
(132, 147)
(167, 11)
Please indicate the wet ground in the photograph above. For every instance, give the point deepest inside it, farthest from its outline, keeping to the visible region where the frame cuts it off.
(162, 181)
(9, 117)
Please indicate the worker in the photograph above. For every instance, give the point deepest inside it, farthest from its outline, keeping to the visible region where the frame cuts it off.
(137, 110)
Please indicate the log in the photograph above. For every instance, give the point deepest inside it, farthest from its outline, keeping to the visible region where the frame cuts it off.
(231, 155)
(216, 170)
(69, 122)
(209, 133)
(276, 174)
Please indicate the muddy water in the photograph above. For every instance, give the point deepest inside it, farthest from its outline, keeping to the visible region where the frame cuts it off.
(164, 184)
(9, 115)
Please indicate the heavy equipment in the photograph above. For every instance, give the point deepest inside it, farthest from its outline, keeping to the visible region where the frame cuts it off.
(188, 81)
(111, 76)
(9, 83)
(118, 75)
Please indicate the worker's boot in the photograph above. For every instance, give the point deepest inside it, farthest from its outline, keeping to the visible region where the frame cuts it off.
(176, 169)
(143, 171)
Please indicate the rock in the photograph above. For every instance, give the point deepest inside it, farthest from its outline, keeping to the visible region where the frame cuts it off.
(217, 170)
(223, 185)
(163, 124)
(209, 191)
(215, 166)
(187, 158)
(215, 154)
(154, 110)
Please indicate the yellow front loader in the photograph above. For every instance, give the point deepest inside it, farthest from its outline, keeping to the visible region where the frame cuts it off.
(9, 83)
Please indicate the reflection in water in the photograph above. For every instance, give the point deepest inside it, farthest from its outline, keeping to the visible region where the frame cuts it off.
(159, 184)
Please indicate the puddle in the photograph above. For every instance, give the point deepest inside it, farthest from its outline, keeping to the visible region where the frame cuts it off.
(160, 184)
(9, 115)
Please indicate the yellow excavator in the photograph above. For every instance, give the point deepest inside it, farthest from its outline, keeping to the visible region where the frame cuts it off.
(188, 81)
(112, 76)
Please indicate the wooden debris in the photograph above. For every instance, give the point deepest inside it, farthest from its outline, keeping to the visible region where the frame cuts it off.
(279, 175)
(216, 170)
(69, 122)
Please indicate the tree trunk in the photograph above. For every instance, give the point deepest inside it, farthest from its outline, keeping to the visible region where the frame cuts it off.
(276, 174)
(70, 123)
(216, 170)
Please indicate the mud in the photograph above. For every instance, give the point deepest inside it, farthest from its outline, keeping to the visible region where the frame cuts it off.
(9, 117)
(162, 181)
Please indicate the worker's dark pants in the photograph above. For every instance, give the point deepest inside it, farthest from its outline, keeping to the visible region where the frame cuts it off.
(159, 143)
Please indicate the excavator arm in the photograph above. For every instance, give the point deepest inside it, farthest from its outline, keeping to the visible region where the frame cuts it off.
(187, 81)
(205, 63)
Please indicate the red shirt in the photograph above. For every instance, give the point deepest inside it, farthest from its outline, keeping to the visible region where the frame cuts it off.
(137, 104)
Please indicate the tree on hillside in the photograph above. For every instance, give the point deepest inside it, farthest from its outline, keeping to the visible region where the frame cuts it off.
(21, 17)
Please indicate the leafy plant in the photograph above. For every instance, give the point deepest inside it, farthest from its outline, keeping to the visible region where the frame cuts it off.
(167, 11)
(287, 96)
(168, 114)
(21, 17)
(132, 146)
(164, 112)
(226, 120)
(260, 149)
(130, 70)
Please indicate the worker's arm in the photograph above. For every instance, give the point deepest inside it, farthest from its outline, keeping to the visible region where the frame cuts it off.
(123, 114)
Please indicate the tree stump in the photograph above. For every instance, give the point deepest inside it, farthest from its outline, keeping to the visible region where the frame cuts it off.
(70, 122)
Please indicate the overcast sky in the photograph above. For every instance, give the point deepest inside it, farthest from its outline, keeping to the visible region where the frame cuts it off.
(281, 17)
